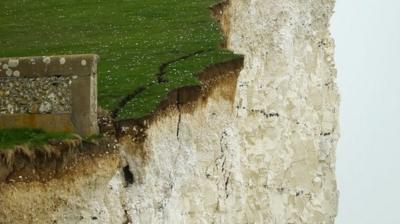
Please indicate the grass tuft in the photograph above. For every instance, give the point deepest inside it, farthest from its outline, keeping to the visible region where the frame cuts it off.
(10, 138)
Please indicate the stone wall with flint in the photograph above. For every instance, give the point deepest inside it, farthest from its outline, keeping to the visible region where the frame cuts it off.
(54, 93)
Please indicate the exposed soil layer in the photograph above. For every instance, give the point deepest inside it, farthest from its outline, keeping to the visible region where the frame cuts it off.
(54, 160)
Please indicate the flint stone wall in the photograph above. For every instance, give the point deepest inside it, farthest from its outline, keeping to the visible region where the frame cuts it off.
(54, 93)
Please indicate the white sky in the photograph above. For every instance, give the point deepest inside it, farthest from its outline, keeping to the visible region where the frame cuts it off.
(367, 34)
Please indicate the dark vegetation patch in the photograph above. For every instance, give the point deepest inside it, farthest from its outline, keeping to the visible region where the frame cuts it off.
(147, 48)
(10, 138)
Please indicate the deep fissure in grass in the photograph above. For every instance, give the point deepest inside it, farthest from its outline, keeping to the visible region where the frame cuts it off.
(133, 39)
(160, 79)
(163, 66)
(126, 99)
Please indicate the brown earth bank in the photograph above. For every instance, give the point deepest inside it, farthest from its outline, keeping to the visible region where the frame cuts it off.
(43, 163)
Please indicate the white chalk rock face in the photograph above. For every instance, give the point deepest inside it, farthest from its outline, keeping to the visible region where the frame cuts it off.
(287, 161)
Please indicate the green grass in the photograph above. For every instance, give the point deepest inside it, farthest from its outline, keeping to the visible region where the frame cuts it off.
(10, 138)
(132, 37)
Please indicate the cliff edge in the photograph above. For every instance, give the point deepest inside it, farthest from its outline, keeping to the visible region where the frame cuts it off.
(254, 143)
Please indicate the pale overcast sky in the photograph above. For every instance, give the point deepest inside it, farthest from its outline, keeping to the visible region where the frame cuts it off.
(367, 34)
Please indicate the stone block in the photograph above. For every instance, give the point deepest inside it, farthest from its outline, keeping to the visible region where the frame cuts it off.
(54, 93)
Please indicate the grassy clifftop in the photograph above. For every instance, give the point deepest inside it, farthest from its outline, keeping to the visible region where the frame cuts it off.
(29, 136)
(147, 47)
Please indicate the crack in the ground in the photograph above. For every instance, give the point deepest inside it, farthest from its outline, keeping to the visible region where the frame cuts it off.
(126, 99)
(162, 69)
(179, 116)
(160, 79)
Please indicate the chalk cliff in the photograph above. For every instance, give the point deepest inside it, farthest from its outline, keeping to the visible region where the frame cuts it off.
(254, 144)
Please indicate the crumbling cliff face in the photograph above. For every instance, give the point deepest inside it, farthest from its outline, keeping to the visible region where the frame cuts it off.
(253, 145)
